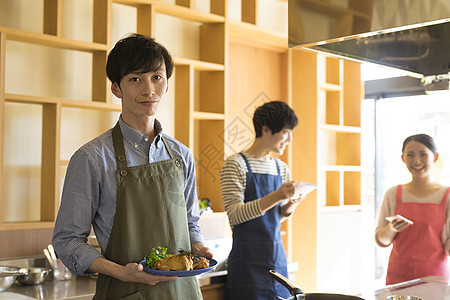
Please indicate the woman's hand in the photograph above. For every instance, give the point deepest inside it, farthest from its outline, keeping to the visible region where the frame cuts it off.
(386, 234)
(398, 225)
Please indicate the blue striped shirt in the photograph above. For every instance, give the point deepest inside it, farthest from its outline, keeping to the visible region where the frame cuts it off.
(90, 191)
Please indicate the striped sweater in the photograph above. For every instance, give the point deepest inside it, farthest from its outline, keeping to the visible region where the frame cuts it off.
(233, 183)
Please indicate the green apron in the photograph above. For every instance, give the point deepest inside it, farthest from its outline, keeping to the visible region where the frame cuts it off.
(150, 212)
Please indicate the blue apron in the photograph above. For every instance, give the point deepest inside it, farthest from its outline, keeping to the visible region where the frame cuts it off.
(257, 246)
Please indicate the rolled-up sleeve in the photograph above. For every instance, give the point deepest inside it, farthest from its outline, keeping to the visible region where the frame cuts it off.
(79, 200)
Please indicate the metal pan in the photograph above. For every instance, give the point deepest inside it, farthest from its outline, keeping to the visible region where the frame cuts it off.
(297, 293)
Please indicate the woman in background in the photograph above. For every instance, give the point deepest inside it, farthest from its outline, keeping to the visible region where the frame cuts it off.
(420, 245)
(258, 195)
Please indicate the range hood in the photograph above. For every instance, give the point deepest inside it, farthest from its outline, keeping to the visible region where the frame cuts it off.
(422, 49)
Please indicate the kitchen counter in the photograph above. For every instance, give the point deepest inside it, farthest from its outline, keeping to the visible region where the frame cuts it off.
(428, 288)
(81, 288)
(211, 283)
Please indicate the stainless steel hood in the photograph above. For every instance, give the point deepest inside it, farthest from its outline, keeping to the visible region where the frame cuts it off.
(423, 49)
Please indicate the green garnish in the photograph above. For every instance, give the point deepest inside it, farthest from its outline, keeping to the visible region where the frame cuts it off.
(181, 251)
(155, 255)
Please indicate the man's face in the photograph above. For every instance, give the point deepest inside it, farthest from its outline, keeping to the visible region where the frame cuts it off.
(141, 93)
(277, 142)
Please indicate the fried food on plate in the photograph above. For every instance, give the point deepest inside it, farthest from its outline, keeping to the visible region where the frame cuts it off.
(158, 259)
(179, 262)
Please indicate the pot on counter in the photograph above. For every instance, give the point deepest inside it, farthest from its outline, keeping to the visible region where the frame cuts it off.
(8, 275)
(297, 293)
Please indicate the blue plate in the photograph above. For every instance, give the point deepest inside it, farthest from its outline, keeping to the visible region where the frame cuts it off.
(212, 265)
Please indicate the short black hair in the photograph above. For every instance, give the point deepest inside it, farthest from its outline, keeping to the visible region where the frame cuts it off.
(423, 139)
(276, 115)
(137, 53)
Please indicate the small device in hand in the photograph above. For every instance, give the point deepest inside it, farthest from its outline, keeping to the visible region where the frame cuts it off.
(392, 218)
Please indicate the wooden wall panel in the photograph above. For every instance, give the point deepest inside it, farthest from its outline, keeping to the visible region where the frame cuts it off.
(22, 243)
(304, 154)
(254, 77)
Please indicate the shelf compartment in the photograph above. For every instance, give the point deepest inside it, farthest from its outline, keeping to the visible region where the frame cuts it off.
(352, 188)
(213, 43)
(209, 92)
(48, 66)
(333, 70)
(348, 148)
(340, 148)
(23, 163)
(333, 107)
(209, 155)
(333, 191)
(74, 133)
(177, 11)
(342, 188)
(29, 99)
(352, 94)
(51, 41)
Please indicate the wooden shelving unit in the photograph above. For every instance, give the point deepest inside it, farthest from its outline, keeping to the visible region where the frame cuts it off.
(200, 94)
(339, 132)
(333, 119)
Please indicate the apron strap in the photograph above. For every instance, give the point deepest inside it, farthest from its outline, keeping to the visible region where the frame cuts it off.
(250, 170)
(399, 194)
(278, 168)
(246, 162)
(172, 156)
(444, 198)
(119, 149)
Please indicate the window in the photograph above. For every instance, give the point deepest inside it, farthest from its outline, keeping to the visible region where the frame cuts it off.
(386, 122)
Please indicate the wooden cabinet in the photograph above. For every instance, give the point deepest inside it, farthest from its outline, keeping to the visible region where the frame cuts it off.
(214, 291)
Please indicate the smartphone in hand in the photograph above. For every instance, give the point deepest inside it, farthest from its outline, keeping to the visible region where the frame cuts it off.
(392, 218)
